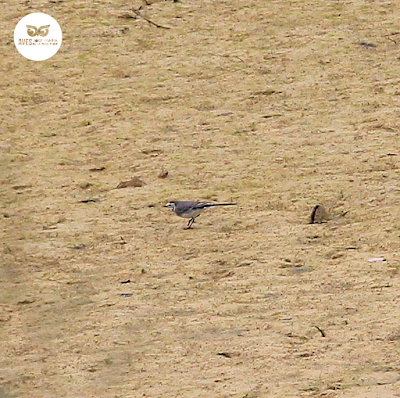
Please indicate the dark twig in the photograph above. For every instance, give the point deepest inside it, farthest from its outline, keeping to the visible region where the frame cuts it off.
(321, 331)
(392, 34)
(149, 21)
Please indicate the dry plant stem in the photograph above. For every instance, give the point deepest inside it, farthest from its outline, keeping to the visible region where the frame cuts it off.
(150, 21)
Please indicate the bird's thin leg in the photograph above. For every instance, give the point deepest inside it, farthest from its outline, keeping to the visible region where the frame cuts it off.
(191, 221)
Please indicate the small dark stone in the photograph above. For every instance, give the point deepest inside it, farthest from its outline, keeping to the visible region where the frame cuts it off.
(78, 247)
(90, 200)
(319, 215)
(364, 44)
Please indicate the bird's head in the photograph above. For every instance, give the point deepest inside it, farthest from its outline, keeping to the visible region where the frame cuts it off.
(171, 205)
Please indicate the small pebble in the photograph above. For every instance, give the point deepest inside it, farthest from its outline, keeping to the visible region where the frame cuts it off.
(133, 182)
(319, 215)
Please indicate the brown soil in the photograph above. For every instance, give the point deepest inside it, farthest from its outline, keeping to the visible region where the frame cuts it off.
(276, 105)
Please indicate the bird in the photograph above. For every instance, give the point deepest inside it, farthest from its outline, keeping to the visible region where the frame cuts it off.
(192, 209)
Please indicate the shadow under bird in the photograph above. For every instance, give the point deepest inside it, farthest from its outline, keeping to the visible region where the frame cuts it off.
(191, 209)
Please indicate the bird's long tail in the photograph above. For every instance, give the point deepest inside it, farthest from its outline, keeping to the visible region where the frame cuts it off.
(220, 204)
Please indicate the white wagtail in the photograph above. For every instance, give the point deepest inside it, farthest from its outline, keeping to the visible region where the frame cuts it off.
(192, 210)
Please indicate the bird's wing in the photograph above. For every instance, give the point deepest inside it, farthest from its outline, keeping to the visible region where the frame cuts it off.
(201, 205)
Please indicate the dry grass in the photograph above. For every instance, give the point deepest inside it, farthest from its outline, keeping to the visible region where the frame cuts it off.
(275, 105)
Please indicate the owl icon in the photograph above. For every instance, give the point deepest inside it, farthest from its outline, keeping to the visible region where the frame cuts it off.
(33, 31)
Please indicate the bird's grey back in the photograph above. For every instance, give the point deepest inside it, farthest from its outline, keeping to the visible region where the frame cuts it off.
(187, 205)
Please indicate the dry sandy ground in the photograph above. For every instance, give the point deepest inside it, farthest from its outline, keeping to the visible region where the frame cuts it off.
(276, 105)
